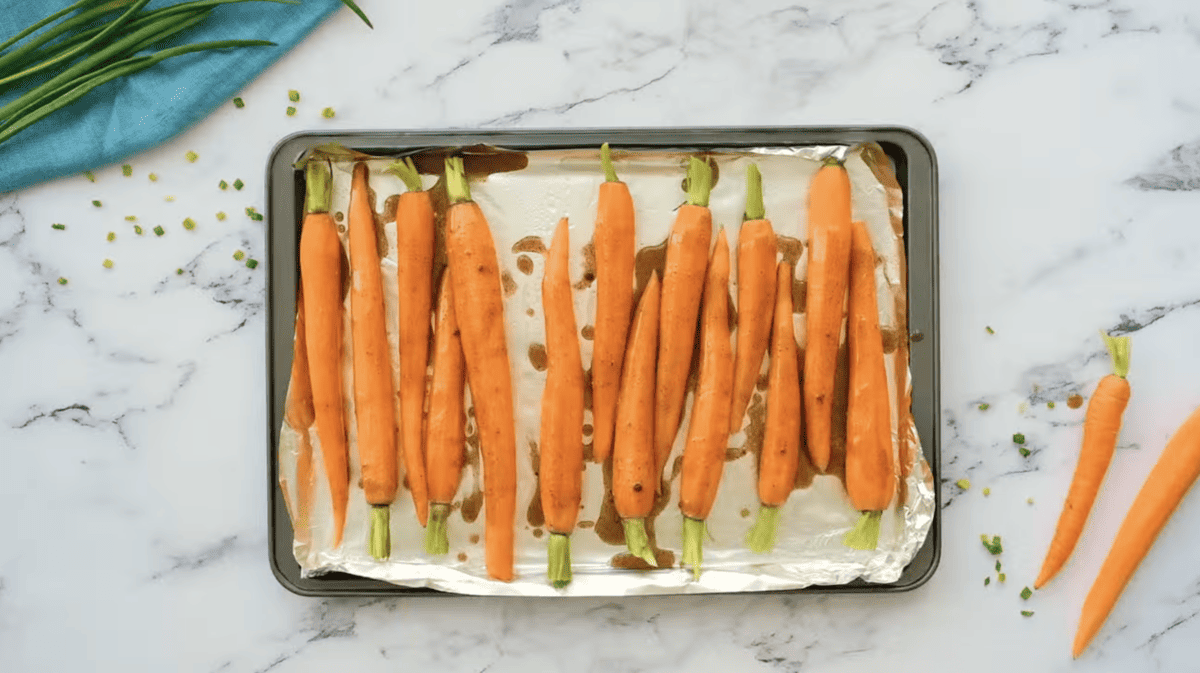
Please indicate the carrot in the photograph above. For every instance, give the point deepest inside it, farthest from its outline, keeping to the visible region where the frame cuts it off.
(780, 455)
(300, 415)
(560, 471)
(445, 438)
(321, 277)
(870, 466)
(756, 289)
(633, 451)
(615, 251)
(1101, 424)
(828, 275)
(414, 275)
(479, 307)
(708, 432)
(682, 287)
(1172, 476)
(374, 409)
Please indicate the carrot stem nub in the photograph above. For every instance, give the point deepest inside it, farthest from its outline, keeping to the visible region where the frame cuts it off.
(610, 173)
(755, 210)
(865, 534)
(436, 539)
(457, 188)
(637, 541)
(693, 544)
(407, 171)
(381, 532)
(761, 538)
(1118, 348)
(699, 182)
(558, 569)
(318, 187)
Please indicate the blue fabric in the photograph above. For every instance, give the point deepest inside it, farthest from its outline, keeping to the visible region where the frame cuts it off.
(131, 114)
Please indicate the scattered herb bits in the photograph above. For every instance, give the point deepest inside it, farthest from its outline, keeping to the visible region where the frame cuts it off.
(189, 224)
(984, 406)
(1026, 593)
(992, 544)
(223, 185)
(1018, 438)
(62, 281)
(1024, 452)
(108, 264)
(291, 111)
(1001, 577)
(238, 184)
(1050, 405)
(1027, 613)
(963, 483)
(997, 565)
(989, 329)
(239, 255)
(328, 113)
(137, 230)
(90, 176)
(153, 177)
(126, 170)
(251, 263)
(112, 236)
(221, 215)
(987, 581)
(239, 103)
(987, 491)
(293, 95)
(97, 203)
(159, 231)
(131, 218)
(191, 157)
(178, 272)
(60, 227)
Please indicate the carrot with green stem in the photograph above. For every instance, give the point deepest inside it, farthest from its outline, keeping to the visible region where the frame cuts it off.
(300, 415)
(708, 431)
(756, 290)
(1101, 425)
(616, 249)
(321, 278)
(414, 276)
(682, 287)
(780, 455)
(560, 469)
(445, 439)
(374, 408)
(829, 234)
(633, 465)
(870, 465)
(1168, 482)
(479, 308)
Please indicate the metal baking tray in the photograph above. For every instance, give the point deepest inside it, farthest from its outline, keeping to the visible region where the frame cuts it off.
(916, 170)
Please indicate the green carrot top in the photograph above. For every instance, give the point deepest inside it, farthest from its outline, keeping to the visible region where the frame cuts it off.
(457, 188)
(407, 171)
(610, 173)
(754, 194)
(699, 182)
(1118, 348)
(319, 187)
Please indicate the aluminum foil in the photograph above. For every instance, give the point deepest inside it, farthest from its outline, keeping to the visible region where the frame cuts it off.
(528, 203)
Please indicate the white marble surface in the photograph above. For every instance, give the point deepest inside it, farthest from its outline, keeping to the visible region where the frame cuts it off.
(1068, 135)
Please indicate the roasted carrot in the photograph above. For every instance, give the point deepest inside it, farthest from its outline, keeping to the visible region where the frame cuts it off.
(445, 438)
(682, 287)
(756, 289)
(479, 307)
(633, 450)
(870, 466)
(321, 277)
(1165, 487)
(1101, 424)
(300, 415)
(828, 275)
(708, 431)
(615, 251)
(374, 408)
(560, 469)
(414, 275)
(780, 455)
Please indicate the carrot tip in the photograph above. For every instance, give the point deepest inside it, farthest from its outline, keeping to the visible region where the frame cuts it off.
(761, 538)
(865, 534)
(558, 569)
(637, 541)
(436, 539)
(381, 532)
(693, 544)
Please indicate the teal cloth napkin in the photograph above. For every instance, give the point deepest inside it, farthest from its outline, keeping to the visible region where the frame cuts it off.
(132, 114)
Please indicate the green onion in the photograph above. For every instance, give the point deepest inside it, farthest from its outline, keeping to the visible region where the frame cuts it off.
(221, 215)
(1050, 405)
(223, 185)
(987, 581)
(126, 170)
(168, 198)
(112, 236)
(1018, 438)
(178, 272)
(354, 8)
(987, 491)
(239, 255)
(293, 95)
(89, 175)
(60, 227)
(137, 230)
(159, 231)
(1026, 593)
(984, 406)
(189, 223)
(1024, 452)
(108, 264)
(251, 263)
(993, 546)
(291, 111)
(1029, 501)
(990, 330)
(191, 157)
(328, 113)
(964, 483)
(1027, 613)
(153, 177)
(997, 565)
(239, 103)
(96, 203)
(1001, 577)
(62, 281)
(131, 218)
(238, 184)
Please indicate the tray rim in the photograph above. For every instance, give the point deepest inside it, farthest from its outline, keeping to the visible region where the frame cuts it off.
(280, 315)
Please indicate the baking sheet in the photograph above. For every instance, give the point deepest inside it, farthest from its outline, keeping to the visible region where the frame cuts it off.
(528, 203)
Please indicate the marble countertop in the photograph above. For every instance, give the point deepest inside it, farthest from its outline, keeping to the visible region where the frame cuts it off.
(1067, 136)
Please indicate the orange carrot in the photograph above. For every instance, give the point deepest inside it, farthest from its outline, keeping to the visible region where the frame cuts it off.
(560, 472)
(321, 277)
(479, 307)
(414, 275)
(374, 409)
(615, 251)
(1101, 424)
(708, 431)
(682, 287)
(300, 415)
(756, 289)
(633, 451)
(780, 455)
(1165, 487)
(828, 276)
(870, 466)
(445, 438)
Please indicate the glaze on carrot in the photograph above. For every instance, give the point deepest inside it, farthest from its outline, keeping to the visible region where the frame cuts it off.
(445, 438)
(300, 416)
(756, 289)
(615, 251)
(479, 308)
(1101, 425)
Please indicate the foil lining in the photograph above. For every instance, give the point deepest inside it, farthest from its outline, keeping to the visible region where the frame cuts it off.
(524, 205)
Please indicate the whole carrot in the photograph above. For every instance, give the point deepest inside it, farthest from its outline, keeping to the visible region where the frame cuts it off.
(828, 275)
(1101, 424)
(615, 251)
(1165, 487)
(560, 473)
(708, 431)
(633, 451)
(479, 307)
(756, 289)
(414, 275)
(870, 466)
(682, 287)
(445, 438)
(780, 455)
(321, 277)
(374, 408)
(300, 415)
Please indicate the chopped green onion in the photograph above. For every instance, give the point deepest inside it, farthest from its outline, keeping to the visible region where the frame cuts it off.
(153, 177)
(987, 491)
(291, 111)
(137, 230)
(131, 218)
(191, 157)
(257, 217)
(1029, 501)
(89, 175)
(251, 263)
(221, 215)
(984, 406)
(168, 198)
(62, 281)
(328, 113)
(964, 483)
(223, 185)
(238, 184)
(159, 231)
(992, 545)
(178, 272)
(96, 203)
(60, 227)
(987, 581)
(1001, 577)
(1018, 438)
(1026, 593)
(997, 565)
(239, 255)
(1024, 452)
(293, 95)
(108, 264)
(990, 330)
(189, 223)
(1050, 404)
(112, 236)
(239, 103)
(126, 170)
(1027, 613)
